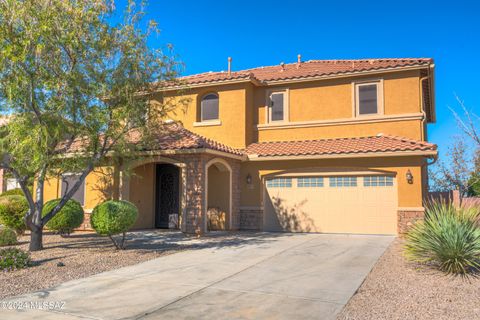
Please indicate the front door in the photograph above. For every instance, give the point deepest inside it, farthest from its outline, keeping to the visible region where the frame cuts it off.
(167, 194)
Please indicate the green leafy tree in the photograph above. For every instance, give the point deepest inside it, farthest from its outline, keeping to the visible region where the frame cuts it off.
(74, 83)
(457, 170)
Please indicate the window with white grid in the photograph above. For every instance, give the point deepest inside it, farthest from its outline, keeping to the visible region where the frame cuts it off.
(378, 181)
(345, 181)
(279, 183)
(310, 182)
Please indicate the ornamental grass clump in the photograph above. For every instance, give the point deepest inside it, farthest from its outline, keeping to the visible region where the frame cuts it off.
(448, 238)
(13, 258)
(68, 218)
(114, 217)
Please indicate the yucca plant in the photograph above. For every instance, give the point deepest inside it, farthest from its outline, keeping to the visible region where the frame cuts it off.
(448, 238)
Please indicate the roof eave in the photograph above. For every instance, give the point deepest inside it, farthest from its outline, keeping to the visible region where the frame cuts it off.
(209, 84)
(192, 151)
(345, 74)
(429, 154)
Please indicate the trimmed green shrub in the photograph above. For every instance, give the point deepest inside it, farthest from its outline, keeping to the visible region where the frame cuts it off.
(448, 238)
(13, 259)
(12, 210)
(12, 192)
(114, 217)
(8, 237)
(68, 218)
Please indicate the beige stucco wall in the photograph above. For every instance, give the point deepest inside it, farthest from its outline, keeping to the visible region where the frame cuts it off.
(218, 189)
(409, 195)
(98, 187)
(142, 194)
(232, 112)
(242, 107)
(409, 129)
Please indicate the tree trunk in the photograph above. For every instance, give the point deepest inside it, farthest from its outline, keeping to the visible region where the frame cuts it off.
(36, 239)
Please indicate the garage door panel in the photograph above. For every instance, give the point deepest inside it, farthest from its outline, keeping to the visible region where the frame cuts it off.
(337, 206)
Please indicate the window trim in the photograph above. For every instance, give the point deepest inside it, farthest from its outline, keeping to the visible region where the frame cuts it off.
(286, 107)
(84, 186)
(212, 121)
(355, 98)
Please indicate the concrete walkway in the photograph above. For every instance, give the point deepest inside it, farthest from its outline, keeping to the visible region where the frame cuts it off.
(257, 276)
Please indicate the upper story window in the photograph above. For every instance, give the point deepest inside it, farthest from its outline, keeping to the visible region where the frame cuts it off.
(277, 106)
(368, 98)
(209, 107)
(68, 181)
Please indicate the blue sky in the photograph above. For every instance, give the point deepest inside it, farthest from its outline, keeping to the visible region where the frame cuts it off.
(256, 33)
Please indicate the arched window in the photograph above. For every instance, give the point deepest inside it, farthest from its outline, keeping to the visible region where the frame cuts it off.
(209, 107)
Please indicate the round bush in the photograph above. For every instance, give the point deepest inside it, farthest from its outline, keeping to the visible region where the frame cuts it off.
(12, 192)
(68, 218)
(13, 259)
(113, 217)
(12, 210)
(8, 237)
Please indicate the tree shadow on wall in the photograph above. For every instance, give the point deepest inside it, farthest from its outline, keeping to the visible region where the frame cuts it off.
(293, 218)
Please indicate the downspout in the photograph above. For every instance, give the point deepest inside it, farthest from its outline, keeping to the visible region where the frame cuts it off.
(430, 91)
(422, 106)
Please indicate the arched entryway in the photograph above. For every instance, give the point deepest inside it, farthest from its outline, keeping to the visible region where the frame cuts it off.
(156, 185)
(218, 198)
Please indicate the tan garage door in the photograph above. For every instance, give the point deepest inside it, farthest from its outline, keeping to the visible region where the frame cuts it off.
(332, 204)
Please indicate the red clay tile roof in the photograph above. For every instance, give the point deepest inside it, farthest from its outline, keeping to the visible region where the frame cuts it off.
(380, 143)
(167, 136)
(174, 136)
(312, 68)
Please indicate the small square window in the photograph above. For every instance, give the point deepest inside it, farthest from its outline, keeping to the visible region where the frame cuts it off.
(68, 181)
(277, 106)
(368, 98)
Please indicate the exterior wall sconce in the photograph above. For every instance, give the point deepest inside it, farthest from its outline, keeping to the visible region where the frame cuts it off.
(409, 176)
(249, 179)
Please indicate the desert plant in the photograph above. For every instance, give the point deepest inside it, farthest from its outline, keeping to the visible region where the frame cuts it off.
(12, 211)
(114, 217)
(448, 238)
(8, 237)
(13, 259)
(68, 218)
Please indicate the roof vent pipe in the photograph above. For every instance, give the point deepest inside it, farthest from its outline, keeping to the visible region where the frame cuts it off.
(299, 60)
(282, 65)
(229, 66)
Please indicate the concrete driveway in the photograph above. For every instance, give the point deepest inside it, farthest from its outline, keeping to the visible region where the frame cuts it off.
(252, 276)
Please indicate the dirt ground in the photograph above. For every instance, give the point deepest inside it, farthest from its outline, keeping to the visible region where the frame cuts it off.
(398, 289)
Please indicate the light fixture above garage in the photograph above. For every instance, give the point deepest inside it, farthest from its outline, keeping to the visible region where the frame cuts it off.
(409, 176)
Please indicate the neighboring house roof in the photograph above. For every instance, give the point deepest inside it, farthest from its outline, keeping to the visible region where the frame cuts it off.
(307, 69)
(341, 146)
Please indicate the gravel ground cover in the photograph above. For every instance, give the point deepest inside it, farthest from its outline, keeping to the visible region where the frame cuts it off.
(82, 254)
(398, 289)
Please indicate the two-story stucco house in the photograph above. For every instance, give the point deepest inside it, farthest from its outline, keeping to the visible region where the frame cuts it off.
(334, 146)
